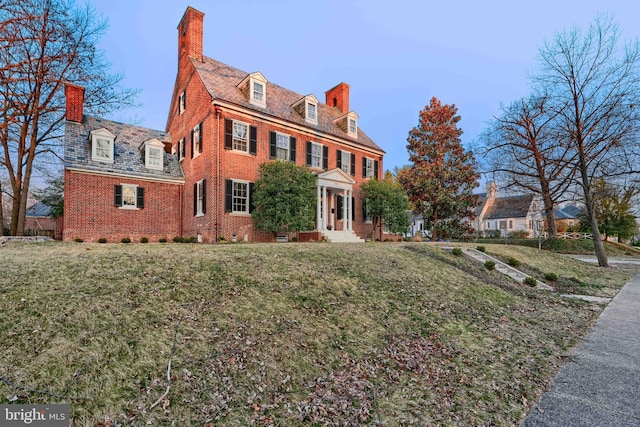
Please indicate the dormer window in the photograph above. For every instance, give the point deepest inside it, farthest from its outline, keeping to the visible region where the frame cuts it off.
(153, 154)
(312, 112)
(102, 145)
(258, 92)
(348, 123)
(353, 127)
(307, 107)
(254, 87)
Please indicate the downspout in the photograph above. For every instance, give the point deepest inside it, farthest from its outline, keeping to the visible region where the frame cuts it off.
(217, 198)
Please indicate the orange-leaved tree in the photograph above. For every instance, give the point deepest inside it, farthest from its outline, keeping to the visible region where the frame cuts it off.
(442, 174)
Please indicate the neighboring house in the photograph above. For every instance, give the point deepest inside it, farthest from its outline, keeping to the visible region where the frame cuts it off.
(416, 225)
(40, 222)
(566, 218)
(507, 214)
(226, 122)
(197, 178)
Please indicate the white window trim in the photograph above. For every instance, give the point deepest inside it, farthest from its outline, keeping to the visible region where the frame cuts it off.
(135, 197)
(200, 197)
(153, 144)
(316, 144)
(252, 99)
(308, 119)
(233, 129)
(182, 102)
(288, 150)
(104, 135)
(347, 163)
(371, 171)
(349, 131)
(199, 128)
(245, 212)
(181, 149)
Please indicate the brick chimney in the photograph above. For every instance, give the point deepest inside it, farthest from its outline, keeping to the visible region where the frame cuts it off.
(75, 101)
(190, 34)
(492, 190)
(338, 97)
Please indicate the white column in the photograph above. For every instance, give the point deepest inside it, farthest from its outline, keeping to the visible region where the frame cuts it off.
(324, 208)
(318, 207)
(345, 205)
(350, 210)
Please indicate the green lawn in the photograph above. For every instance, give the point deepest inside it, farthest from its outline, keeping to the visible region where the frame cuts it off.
(392, 334)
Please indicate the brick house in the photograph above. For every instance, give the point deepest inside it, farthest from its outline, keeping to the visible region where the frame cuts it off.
(222, 124)
(120, 180)
(226, 122)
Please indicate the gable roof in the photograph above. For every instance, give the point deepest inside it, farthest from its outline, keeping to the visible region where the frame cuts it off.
(221, 81)
(509, 207)
(127, 156)
(38, 209)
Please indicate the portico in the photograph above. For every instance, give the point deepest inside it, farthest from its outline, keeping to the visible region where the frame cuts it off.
(334, 209)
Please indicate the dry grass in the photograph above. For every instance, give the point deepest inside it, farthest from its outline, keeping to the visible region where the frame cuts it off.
(289, 334)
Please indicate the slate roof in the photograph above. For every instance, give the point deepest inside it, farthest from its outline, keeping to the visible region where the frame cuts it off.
(39, 209)
(560, 214)
(509, 207)
(127, 157)
(221, 82)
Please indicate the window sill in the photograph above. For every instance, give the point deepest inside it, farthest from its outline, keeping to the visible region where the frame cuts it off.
(240, 214)
(242, 153)
(199, 215)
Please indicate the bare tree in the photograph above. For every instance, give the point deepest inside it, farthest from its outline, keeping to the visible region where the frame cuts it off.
(524, 149)
(593, 87)
(44, 43)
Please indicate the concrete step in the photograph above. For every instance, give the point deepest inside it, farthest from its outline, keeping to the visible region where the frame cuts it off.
(333, 236)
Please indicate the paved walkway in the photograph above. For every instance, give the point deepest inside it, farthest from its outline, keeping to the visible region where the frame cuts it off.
(600, 385)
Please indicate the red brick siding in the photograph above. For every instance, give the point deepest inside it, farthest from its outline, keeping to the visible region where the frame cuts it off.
(90, 213)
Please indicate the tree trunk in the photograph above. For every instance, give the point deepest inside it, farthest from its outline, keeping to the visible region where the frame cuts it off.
(1, 212)
(552, 228)
(593, 221)
(434, 229)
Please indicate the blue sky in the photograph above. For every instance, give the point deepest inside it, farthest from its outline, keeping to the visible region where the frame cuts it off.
(395, 55)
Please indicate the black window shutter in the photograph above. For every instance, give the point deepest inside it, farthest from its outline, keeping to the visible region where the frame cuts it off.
(228, 134)
(364, 167)
(184, 99)
(195, 199)
(292, 149)
(117, 196)
(253, 140)
(353, 209)
(272, 145)
(353, 164)
(251, 207)
(193, 147)
(375, 168)
(228, 195)
(204, 196)
(339, 207)
(201, 138)
(325, 158)
(338, 158)
(364, 210)
(140, 198)
(309, 148)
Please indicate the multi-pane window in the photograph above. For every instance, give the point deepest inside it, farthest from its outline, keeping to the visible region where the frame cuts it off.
(258, 92)
(316, 155)
(312, 112)
(182, 101)
(353, 126)
(345, 161)
(199, 198)
(196, 140)
(154, 157)
(240, 197)
(370, 170)
(181, 149)
(282, 146)
(129, 196)
(240, 136)
(103, 148)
